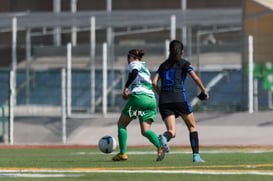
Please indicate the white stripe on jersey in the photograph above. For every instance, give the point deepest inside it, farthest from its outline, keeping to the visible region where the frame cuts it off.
(139, 85)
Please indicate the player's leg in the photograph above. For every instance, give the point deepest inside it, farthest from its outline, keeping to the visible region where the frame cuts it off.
(146, 131)
(170, 124)
(125, 118)
(193, 135)
(122, 137)
(168, 115)
(147, 109)
(152, 137)
(122, 132)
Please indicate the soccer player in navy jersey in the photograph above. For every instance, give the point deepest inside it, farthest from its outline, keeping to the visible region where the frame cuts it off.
(172, 96)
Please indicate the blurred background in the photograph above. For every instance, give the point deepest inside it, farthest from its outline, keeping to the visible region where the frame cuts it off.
(66, 59)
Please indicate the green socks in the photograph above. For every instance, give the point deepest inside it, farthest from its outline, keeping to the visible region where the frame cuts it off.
(122, 139)
(152, 137)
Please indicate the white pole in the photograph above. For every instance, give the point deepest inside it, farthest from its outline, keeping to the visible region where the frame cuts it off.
(109, 29)
(183, 4)
(73, 7)
(198, 34)
(184, 28)
(63, 105)
(110, 39)
(14, 54)
(57, 30)
(104, 79)
(255, 95)
(173, 27)
(167, 42)
(69, 79)
(250, 74)
(13, 80)
(189, 44)
(92, 61)
(14, 42)
(11, 107)
(28, 59)
(270, 105)
(109, 5)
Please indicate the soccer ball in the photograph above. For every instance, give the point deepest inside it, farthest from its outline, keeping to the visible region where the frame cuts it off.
(107, 144)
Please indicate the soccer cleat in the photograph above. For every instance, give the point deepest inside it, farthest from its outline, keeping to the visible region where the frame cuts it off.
(120, 157)
(197, 158)
(164, 143)
(160, 154)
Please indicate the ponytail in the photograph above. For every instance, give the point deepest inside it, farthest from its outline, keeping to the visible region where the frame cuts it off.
(175, 51)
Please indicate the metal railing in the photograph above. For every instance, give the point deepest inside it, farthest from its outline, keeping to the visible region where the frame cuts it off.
(3, 123)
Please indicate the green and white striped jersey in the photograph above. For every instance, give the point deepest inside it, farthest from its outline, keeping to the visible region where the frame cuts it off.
(142, 83)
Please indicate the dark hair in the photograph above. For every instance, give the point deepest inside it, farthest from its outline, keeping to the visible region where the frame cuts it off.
(175, 51)
(136, 53)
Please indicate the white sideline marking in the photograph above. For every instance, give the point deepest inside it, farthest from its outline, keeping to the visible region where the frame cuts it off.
(35, 175)
(210, 172)
(184, 152)
(14, 173)
(204, 172)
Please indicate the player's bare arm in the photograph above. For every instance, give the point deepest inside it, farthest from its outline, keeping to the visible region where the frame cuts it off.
(154, 83)
(199, 83)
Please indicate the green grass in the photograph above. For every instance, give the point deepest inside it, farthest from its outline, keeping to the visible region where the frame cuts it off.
(217, 160)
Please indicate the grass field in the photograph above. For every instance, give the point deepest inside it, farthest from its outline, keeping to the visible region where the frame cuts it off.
(225, 164)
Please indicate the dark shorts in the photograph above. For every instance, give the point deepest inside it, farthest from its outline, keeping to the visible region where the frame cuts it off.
(176, 108)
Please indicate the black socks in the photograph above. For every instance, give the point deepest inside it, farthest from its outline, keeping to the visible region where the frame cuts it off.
(194, 142)
(168, 135)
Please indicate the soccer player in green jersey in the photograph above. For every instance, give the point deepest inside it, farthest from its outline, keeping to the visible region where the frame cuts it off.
(141, 104)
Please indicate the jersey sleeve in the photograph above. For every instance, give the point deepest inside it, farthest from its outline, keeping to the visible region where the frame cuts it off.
(134, 65)
(159, 69)
(188, 66)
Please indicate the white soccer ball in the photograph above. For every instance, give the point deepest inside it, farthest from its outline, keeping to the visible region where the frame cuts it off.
(107, 144)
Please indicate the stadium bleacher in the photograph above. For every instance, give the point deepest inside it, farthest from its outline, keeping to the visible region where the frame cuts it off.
(46, 90)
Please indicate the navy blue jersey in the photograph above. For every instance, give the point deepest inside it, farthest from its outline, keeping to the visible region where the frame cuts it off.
(172, 81)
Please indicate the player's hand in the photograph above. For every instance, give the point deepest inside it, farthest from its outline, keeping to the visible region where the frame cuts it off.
(125, 93)
(203, 96)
